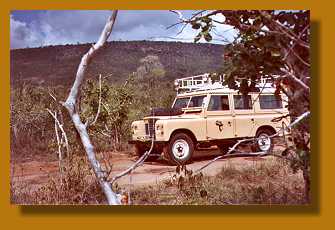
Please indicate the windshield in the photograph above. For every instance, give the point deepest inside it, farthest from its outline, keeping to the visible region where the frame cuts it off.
(196, 101)
(181, 103)
(184, 102)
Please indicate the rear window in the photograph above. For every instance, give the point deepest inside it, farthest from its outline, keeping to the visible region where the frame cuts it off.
(196, 101)
(242, 102)
(270, 102)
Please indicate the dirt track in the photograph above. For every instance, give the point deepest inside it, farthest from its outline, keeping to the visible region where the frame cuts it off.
(37, 173)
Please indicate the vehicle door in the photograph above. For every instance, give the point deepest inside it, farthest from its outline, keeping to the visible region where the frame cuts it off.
(244, 115)
(219, 118)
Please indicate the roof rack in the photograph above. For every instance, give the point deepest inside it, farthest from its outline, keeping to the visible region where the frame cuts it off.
(205, 82)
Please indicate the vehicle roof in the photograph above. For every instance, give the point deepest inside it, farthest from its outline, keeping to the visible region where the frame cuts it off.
(204, 84)
(222, 91)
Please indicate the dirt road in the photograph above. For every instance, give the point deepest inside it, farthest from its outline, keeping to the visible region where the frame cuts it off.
(37, 173)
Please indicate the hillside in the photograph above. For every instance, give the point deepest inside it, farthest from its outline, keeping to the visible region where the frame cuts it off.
(55, 65)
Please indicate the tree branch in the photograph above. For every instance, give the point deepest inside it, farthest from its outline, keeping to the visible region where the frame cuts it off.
(297, 80)
(71, 104)
(62, 130)
(99, 106)
(136, 164)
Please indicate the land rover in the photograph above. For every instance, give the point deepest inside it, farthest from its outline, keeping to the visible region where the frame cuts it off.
(206, 113)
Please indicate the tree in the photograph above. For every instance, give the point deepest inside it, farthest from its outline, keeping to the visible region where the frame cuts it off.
(152, 88)
(272, 45)
(72, 105)
(112, 104)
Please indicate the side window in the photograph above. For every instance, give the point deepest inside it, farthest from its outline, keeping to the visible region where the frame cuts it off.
(196, 101)
(218, 102)
(270, 102)
(242, 102)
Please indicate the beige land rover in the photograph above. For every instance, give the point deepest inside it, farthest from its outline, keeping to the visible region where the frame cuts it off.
(207, 113)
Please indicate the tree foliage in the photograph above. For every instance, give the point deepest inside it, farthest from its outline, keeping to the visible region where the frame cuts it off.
(273, 45)
(113, 118)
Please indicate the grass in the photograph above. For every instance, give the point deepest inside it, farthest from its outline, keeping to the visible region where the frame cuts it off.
(269, 182)
(76, 185)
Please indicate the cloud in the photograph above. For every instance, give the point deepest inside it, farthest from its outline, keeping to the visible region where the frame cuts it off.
(21, 35)
(79, 26)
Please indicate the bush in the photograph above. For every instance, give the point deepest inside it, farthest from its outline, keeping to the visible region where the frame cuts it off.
(75, 185)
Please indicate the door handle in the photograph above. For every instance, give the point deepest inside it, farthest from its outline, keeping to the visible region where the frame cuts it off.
(229, 123)
(252, 119)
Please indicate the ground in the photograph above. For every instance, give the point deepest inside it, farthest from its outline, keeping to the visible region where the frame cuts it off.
(36, 173)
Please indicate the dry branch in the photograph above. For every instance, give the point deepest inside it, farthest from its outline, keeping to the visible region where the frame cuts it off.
(71, 104)
(297, 80)
(136, 164)
(99, 105)
(61, 129)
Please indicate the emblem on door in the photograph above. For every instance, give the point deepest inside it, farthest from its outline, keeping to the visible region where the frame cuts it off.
(220, 125)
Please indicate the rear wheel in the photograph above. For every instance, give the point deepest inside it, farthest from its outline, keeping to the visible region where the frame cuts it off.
(264, 142)
(180, 149)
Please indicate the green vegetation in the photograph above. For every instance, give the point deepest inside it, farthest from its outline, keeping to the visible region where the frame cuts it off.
(274, 45)
(32, 127)
(57, 65)
(281, 52)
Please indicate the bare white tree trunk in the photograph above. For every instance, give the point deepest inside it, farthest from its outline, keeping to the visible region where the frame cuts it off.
(71, 104)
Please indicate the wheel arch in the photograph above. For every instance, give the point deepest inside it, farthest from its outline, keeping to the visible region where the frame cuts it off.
(185, 131)
(266, 127)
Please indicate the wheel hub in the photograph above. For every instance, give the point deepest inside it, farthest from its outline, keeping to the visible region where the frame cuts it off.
(264, 142)
(180, 149)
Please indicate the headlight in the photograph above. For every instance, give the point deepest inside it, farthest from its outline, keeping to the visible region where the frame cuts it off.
(159, 127)
(134, 128)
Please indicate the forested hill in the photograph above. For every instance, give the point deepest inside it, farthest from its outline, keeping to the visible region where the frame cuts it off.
(53, 65)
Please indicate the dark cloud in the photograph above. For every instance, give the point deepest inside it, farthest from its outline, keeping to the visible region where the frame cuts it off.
(39, 28)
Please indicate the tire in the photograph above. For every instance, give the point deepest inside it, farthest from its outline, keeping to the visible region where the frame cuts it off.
(179, 150)
(264, 143)
(141, 149)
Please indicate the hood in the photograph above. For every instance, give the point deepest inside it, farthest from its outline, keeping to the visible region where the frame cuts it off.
(182, 116)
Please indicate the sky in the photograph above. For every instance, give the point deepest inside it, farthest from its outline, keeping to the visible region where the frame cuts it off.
(58, 27)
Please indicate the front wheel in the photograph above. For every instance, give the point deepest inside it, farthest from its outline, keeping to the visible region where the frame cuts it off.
(264, 142)
(180, 149)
